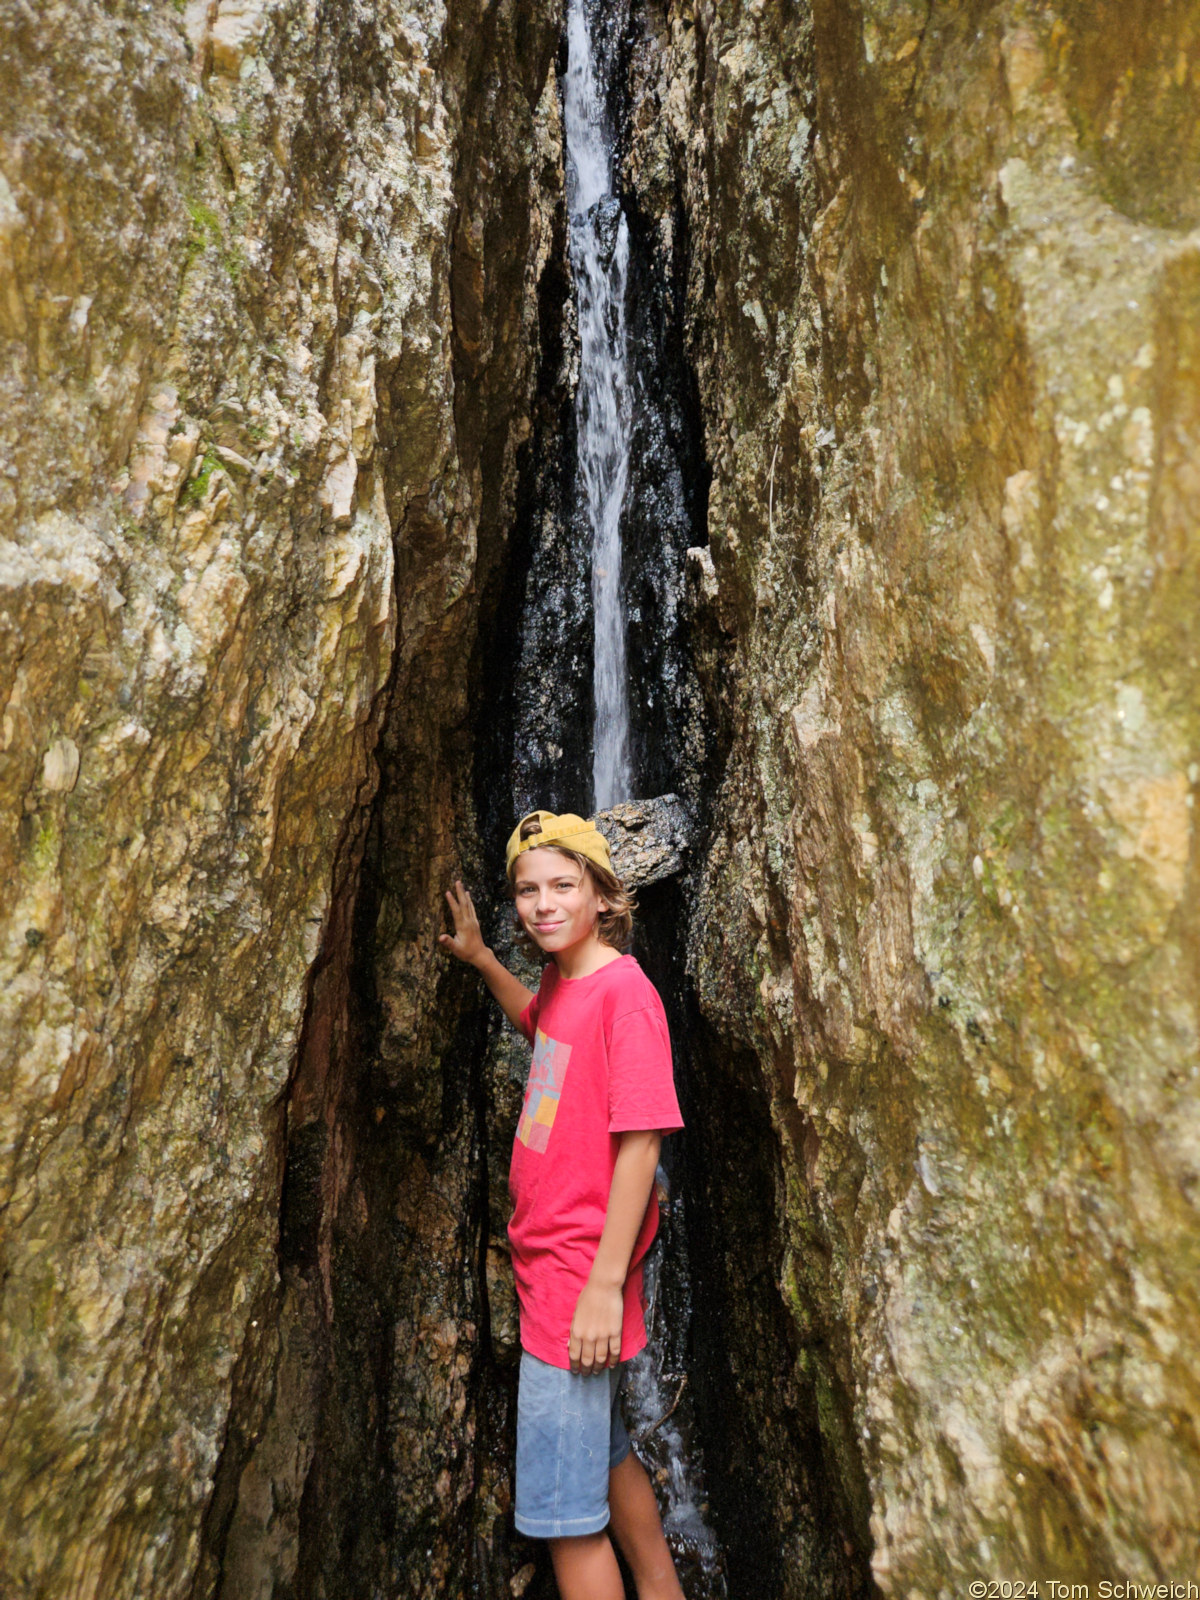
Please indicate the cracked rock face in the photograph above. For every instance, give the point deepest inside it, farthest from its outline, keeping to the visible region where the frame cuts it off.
(944, 310)
(240, 294)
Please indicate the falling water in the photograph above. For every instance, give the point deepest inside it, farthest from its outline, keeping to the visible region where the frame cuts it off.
(600, 261)
(659, 1414)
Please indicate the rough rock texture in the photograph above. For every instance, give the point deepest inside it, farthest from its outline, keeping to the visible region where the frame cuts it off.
(649, 839)
(266, 276)
(282, 291)
(945, 314)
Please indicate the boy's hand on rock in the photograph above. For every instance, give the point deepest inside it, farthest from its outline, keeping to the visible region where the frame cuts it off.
(466, 942)
(596, 1328)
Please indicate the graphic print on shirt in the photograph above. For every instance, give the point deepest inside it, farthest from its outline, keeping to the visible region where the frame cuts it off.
(546, 1077)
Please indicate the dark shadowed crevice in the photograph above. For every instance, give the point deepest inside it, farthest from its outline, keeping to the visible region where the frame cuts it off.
(377, 1458)
(790, 1521)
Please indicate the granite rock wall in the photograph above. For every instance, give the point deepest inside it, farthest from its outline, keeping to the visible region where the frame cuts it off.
(266, 275)
(942, 309)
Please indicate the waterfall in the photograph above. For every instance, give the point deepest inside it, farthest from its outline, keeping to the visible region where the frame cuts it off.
(599, 236)
(660, 1412)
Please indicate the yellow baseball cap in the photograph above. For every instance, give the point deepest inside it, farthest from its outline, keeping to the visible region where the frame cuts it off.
(570, 831)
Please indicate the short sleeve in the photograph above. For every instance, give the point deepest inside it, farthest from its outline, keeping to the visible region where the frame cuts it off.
(641, 1085)
(528, 1018)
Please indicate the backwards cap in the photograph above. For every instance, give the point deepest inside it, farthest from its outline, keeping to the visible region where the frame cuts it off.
(570, 831)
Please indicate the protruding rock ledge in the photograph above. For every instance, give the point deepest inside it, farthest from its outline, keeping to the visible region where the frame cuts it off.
(649, 839)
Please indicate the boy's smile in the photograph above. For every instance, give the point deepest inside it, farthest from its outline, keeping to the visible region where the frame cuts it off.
(557, 902)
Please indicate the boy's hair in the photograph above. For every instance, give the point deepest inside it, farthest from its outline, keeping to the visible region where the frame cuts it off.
(614, 927)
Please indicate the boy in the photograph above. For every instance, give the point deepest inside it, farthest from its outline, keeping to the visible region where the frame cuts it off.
(599, 1099)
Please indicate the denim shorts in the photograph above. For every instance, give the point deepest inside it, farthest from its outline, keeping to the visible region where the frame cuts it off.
(570, 1434)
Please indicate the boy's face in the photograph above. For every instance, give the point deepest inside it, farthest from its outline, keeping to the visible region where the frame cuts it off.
(556, 900)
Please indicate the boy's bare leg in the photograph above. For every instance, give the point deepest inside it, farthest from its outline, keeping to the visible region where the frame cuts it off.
(637, 1528)
(585, 1568)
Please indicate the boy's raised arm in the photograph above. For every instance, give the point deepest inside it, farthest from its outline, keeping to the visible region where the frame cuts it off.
(466, 942)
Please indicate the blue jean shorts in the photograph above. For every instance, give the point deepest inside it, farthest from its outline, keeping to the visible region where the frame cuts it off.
(570, 1435)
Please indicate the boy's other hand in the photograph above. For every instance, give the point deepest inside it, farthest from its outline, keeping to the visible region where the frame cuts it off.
(466, 942)
(595, 1341)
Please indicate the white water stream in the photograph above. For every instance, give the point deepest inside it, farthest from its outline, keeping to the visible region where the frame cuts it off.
(599, 244)
(600, 262)
(666, 1443)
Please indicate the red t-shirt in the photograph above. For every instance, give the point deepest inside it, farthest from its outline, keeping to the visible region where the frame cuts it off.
(601, 1067)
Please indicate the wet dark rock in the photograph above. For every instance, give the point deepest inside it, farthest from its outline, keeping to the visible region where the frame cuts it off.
(533, 667)
(535, 705)
(604, 218)
(665, 513)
